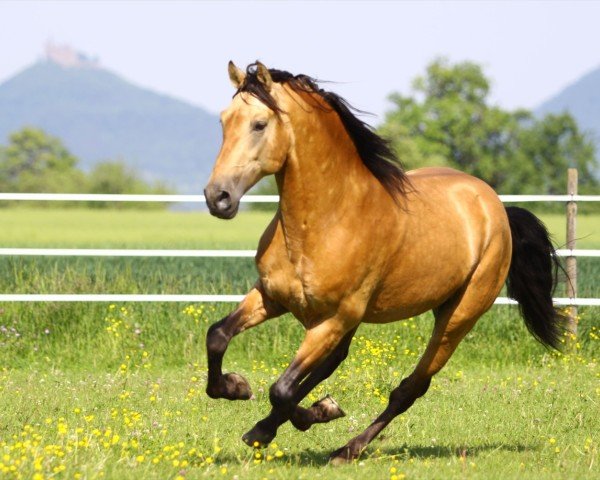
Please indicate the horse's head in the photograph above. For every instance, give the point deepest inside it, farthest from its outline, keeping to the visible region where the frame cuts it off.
(255, 140)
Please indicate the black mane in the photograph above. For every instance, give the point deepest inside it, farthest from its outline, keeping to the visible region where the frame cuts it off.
(374, 150)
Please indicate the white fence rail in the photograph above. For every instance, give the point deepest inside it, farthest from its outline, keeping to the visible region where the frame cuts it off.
(106, 252)
(110, 197)
(75, 197)
(92, 252)
(146, 297)
(106, 197)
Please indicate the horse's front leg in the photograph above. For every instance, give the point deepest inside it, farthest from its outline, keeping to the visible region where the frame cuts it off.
(253, 310)
(319, 342)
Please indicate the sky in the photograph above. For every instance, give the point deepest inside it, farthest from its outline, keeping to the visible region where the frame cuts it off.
(530, 50)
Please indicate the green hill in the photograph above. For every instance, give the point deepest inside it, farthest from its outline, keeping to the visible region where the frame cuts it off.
(101, 116)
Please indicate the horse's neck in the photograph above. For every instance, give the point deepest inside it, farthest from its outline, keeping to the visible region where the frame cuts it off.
(323, 179)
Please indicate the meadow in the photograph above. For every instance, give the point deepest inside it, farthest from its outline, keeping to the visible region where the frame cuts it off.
(117, 391)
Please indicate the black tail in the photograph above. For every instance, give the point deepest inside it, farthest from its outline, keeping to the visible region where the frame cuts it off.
(532, 276)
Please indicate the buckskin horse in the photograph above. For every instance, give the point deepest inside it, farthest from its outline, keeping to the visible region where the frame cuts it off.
(357, 239)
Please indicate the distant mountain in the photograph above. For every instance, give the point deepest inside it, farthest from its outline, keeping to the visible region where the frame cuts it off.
(582, 100)
(100, 116)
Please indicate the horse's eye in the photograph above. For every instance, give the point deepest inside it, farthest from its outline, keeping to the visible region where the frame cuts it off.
(259, 126)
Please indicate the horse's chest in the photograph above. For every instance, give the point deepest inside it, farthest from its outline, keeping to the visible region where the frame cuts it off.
(294, 285)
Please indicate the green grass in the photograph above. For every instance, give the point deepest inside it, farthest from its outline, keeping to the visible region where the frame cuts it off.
(130, 387)
(90, 228)
(588, 229)
(93, 390)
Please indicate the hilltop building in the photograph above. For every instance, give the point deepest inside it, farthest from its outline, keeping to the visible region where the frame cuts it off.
(68, 57)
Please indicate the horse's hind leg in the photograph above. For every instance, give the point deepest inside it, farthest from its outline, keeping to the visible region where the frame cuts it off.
(325, 409)
(453, 320)
(320, 341)
(253, 310)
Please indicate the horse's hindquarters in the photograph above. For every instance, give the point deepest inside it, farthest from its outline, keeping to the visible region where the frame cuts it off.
(456, 231)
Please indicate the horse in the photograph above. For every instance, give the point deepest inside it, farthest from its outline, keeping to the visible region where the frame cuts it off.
(356, 238)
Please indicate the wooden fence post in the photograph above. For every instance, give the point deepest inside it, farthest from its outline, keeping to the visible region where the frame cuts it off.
(571, 239)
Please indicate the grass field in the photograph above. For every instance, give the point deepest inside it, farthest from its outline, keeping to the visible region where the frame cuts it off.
(117, 391)
(89, 228)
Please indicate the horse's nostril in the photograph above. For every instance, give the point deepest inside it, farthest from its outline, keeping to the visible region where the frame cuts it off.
(221, 203)
(223, 196)
(223, 200)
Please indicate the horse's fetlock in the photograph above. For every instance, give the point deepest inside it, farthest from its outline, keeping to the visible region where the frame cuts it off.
(213, 392)
(302, 419)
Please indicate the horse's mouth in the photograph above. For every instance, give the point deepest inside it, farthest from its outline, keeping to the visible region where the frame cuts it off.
(226, 213)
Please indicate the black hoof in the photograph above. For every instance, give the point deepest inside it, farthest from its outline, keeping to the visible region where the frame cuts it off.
(343, 456)
(258, 437)
(323, 411)
(330, 409)
(231, 386)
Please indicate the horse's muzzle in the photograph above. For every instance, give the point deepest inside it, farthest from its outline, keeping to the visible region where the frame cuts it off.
(221, 202)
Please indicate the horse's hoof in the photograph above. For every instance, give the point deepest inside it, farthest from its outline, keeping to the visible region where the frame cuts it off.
(342, 456)
(231, 386)
(329, 408)
(257, 437)
(322, 411)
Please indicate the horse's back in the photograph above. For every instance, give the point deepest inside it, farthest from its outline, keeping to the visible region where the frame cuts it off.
(440, 190)
(450, 223)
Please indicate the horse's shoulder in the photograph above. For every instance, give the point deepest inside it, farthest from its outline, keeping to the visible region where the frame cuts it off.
(276, 271)
(272, 235)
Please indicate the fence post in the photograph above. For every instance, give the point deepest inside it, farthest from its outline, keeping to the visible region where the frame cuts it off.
(571, 239)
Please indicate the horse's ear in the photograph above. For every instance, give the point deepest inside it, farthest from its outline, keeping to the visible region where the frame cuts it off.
(236, 75)
(263, 75)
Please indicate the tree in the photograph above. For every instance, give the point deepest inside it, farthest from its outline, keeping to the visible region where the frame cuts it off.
(449, 121)
(116, 177)
(34, 161)
(4, 186)
(553, 144)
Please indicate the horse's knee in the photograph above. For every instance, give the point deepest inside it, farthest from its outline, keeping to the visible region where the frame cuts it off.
(216, 338)
(281, 394)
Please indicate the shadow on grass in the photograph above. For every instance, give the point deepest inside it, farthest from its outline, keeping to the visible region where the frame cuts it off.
(319, 458)
(447, 451)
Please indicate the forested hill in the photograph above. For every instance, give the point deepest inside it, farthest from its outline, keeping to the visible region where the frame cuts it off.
(100, 116)
(582, 100)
